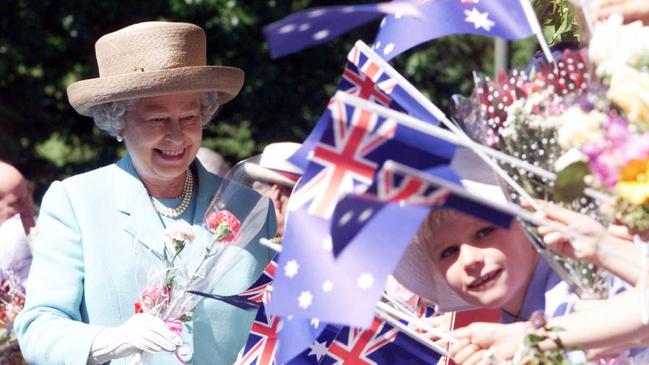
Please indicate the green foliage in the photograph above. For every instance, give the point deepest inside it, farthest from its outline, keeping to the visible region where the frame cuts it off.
(541, 332)
(45, 45)
(559, 20)
(570, 184)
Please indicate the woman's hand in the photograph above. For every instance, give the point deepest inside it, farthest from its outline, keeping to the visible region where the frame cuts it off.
(142, 332)
(484, 339)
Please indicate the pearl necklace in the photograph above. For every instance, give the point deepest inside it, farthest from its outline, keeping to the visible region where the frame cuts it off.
(188, 189)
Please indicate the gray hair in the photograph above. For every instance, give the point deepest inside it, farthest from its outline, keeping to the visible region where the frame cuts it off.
(109, 117)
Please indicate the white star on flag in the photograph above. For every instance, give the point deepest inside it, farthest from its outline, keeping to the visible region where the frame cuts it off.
(327, 286)
(287, 28)
(315, 322)
(305, 299)
(291, 268)
(318, 349)
(321, 34)
(365, 280)
(479, 20)
(388, 49)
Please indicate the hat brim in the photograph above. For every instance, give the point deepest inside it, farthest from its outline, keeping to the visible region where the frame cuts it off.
(260, 173)
(85, 94)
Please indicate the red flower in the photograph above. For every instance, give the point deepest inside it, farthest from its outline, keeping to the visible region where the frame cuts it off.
(138, 307)
(223, 224)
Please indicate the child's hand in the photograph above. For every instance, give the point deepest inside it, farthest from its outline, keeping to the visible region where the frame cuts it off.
(592, 231)
(441, 322)
(631, 10)
(467, 353)
(502, 339)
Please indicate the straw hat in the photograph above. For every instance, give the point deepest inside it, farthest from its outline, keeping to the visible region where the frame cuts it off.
(416, 270)
(274, 166)
(153, 59)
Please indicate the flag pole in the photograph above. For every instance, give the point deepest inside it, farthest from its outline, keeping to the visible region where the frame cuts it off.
(417, 322)
(460, 138)
(409, 332)
(533, 21)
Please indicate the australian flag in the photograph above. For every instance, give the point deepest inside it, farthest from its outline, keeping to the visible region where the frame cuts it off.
(368, 77)
(494, 18)
(378, 344)
(408, 188)
(318, 25)
(311, 282)
(352, 147)
(262, 344)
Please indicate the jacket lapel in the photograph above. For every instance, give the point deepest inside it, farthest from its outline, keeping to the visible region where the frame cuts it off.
(140, 219)
(208, 185)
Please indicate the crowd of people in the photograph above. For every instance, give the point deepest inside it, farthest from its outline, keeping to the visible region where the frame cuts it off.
(155, 94)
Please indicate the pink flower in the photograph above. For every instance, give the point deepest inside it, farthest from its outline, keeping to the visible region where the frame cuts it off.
(224, 225)
(151, 297)
(180, 231)
(175, 326)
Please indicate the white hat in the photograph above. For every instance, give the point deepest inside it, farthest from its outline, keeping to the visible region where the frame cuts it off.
(416, 270)
(274, 166)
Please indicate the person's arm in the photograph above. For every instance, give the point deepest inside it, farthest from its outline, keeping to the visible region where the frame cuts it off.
(631, 10)
(49, 328)
(616, 321)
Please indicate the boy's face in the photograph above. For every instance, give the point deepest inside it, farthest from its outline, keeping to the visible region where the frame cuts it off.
(485, 264)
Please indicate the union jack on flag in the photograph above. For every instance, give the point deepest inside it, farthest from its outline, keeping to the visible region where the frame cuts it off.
(340, 160)
(379, 344)
(368, 77)
(392, 186)
(365, 79)
(259, 292)
(261, 347)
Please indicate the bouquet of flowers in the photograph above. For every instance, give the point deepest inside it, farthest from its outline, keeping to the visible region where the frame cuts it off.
(529, 115)
(614, 143)
(196, 258)
(12, 300)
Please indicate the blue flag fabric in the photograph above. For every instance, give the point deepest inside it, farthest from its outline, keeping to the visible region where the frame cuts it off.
(311, 283)
(494, 18)
(318, 25)
(366, 79)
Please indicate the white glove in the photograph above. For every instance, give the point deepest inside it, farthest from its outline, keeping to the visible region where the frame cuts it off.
(142, 332)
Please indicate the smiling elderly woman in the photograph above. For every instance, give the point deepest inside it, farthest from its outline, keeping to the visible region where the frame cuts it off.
(99, 230)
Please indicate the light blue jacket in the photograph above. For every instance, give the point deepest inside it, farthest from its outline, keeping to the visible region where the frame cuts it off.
(95, 231)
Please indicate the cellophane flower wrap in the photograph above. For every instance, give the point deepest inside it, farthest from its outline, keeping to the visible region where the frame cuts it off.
(542, 117)
(196, 258)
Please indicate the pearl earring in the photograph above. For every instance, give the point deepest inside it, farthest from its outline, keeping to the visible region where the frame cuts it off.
(119, 138)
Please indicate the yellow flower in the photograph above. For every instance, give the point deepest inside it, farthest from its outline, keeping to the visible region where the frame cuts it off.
(633, 182)
(630, 90)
